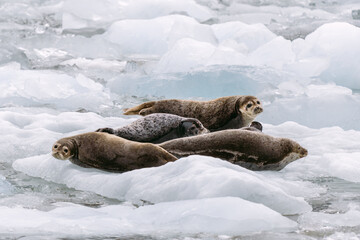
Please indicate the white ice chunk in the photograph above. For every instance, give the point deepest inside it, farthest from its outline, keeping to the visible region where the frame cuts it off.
(338, 44)
(188, 55)
(316, 106)
(227, 215)
(44, 87)
(90, 13)
(194, 177)
(318, 220)
(156, 36)
(152, 9)
(79, 14)
(5, 187)
(185, 55)
(275, 53)
(341, 165)
(250, 36)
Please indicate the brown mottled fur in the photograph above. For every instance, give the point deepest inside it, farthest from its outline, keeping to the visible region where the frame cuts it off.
(109, 152)
(250, 149)
(218, 114)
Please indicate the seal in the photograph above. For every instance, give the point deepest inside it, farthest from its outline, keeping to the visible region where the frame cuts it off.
(109, 152)
(254, 126)
(250, 149)
(222, 113)
(158, 127)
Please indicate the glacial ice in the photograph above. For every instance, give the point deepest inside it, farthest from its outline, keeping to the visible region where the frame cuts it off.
(176, 181)
(244, 38)
(154, 37)
(5, 187)
(100, 14)
(96, 57)
(216, 215)
(335, 43)
(44, 87)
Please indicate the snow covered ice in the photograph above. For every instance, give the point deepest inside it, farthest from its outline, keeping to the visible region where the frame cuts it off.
(69, 67)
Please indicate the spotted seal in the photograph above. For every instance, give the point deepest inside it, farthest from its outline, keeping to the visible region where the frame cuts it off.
(158, 127)
(222, 113)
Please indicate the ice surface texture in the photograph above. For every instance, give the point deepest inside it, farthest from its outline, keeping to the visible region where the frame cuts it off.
(215, 215)
(301, 58)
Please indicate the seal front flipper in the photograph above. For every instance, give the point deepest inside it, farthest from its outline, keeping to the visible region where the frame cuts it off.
(106, 130)
(142, 109)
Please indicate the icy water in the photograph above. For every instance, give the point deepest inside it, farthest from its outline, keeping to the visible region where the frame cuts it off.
(68, 67)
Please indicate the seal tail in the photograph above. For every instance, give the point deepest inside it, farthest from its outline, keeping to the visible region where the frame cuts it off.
(136, 110)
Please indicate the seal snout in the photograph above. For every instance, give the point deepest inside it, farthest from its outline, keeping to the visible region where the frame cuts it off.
(258, 110)
(302, 151)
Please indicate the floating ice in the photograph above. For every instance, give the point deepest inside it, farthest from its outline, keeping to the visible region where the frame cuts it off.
(275, 53)
(217, 216)
(99, 13)
(5, 187)
(303, 70)
(39, 88)
(154, 37)
(185, 55)
(172, 182)
(316, 106)
(337, 44)
(242, 37)
(208, 84)
(315, 220)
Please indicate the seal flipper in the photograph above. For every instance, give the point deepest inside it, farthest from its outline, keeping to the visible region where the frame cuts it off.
(139, 109)
(106, 130)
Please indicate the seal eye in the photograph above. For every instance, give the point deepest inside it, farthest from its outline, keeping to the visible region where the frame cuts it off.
(55, 146)
(66, 150)
(258, 102)
(249, 105)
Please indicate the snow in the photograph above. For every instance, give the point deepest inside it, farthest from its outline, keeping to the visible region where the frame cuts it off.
(69, 67)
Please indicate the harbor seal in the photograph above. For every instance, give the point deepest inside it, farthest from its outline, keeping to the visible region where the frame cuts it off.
(110, 153)
(158, 127)
(222, 113)
(249, 149)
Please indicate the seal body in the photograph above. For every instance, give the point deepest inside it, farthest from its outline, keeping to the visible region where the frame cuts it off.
(158, 127)
(250, 149)
(218, 114)
(110, 153)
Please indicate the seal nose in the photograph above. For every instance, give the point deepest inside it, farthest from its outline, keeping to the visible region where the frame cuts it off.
(258, 110)
(304, 152)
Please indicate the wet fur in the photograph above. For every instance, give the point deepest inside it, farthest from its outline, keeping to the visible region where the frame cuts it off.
(250, 149)
(111, 153)
(157, 128)
(218, 114)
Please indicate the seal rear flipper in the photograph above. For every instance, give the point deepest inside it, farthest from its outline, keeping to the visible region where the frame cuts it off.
(140, 109)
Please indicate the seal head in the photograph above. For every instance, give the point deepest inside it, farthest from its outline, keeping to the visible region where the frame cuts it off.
(64, 149)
